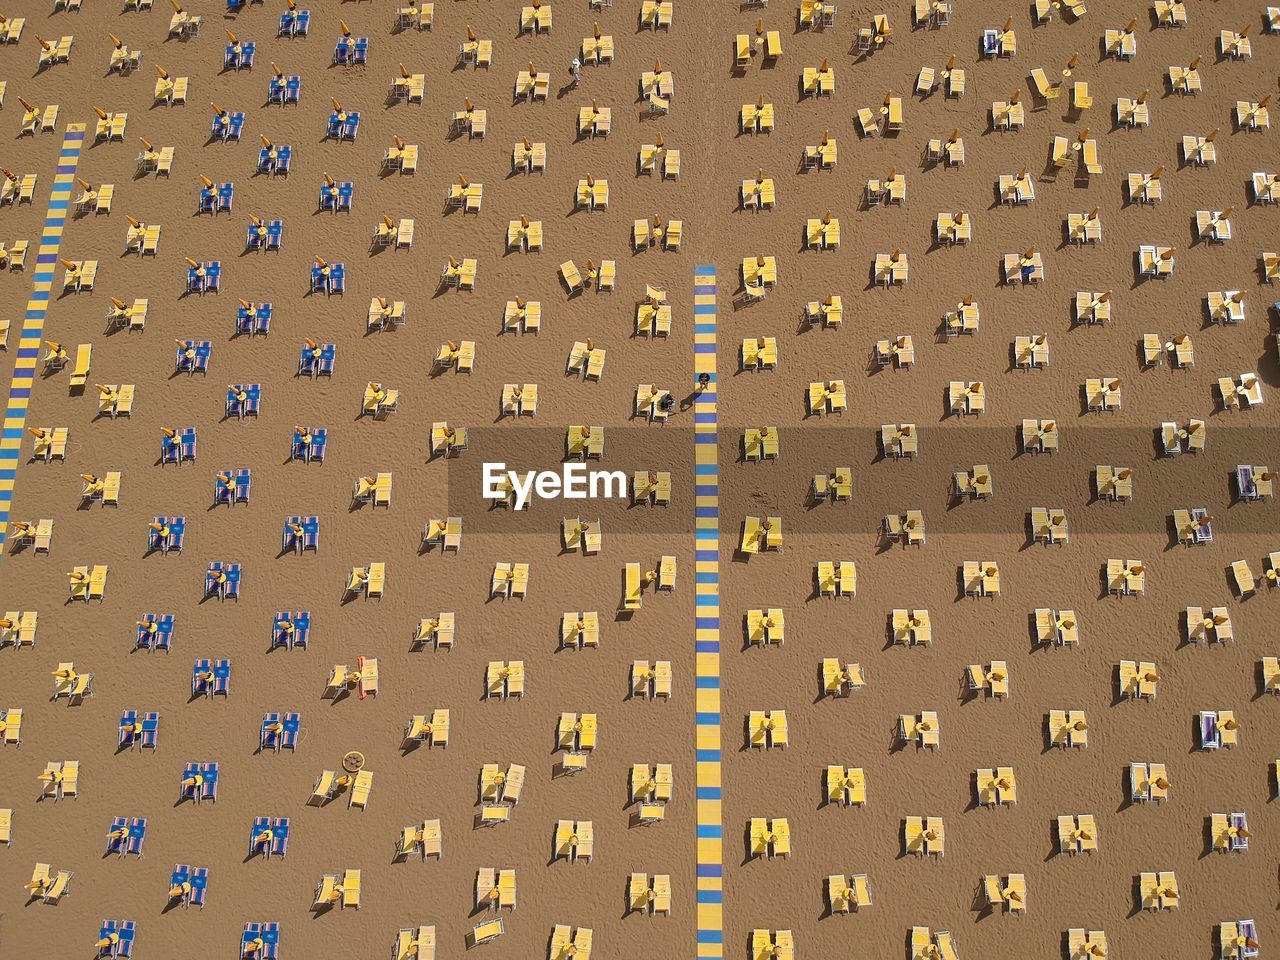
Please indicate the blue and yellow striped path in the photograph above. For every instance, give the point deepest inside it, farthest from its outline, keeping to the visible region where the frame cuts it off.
(710, 824)
(28, 355)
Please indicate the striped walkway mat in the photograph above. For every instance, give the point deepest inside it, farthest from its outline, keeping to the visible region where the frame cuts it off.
(28, 356)
(710, 826)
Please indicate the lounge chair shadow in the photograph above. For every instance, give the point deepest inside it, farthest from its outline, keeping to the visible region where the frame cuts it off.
(972, 803)
(1135, 905)
(981, 906)
(1053, 842)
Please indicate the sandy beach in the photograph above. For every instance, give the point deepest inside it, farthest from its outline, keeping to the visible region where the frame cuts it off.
(1096, 891)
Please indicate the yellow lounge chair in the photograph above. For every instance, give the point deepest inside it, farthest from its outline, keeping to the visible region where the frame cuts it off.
(360, 790)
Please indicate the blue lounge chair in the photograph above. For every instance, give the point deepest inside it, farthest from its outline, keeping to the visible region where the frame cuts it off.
(234, 403)
(144, 732)
(1249, 930)
(337, 279)
(177, 534)
(269, 738)
(157, 634)
(253, 319)
(260, 837)
(127, 719)
(287, 736)
(226, 194)
(320, 278)
(135, 734)
(362, 52)
(292, 535)
(128, 930)
(333, 130)
(1203, 525)
(314, 449)
(239, 56)
(301, 533)
(301, 628)
(150, 730)
(291, 629)
(344, 51)
(275, 234)
(209, 790)
(292, 730)
(187, 884)
(327, 356)
(193, 356)
(279, 836)
(171, 536)
(233, 130)
(275, 159)
(243, 484)
(319, 444)
(243, 399)
(187, 444)
(207, 200)
(110, 932)
(204, 277)
(179, 883)
(301, 446)
(1210, 736)
(351, 127)
(222, 580)
(337, 197)
(219, 126)
(133, 832)
(294, 23)
(202, 678)
(137, 835)
(1239, 839)
(222, 677)
(312, 362)
(1247, 483)
(199, 886)
(119, 935)
(117, 844)
(282, 90)
(224, 487)
(266, 934)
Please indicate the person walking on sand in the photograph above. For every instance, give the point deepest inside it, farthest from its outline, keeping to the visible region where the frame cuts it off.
(575, 68)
